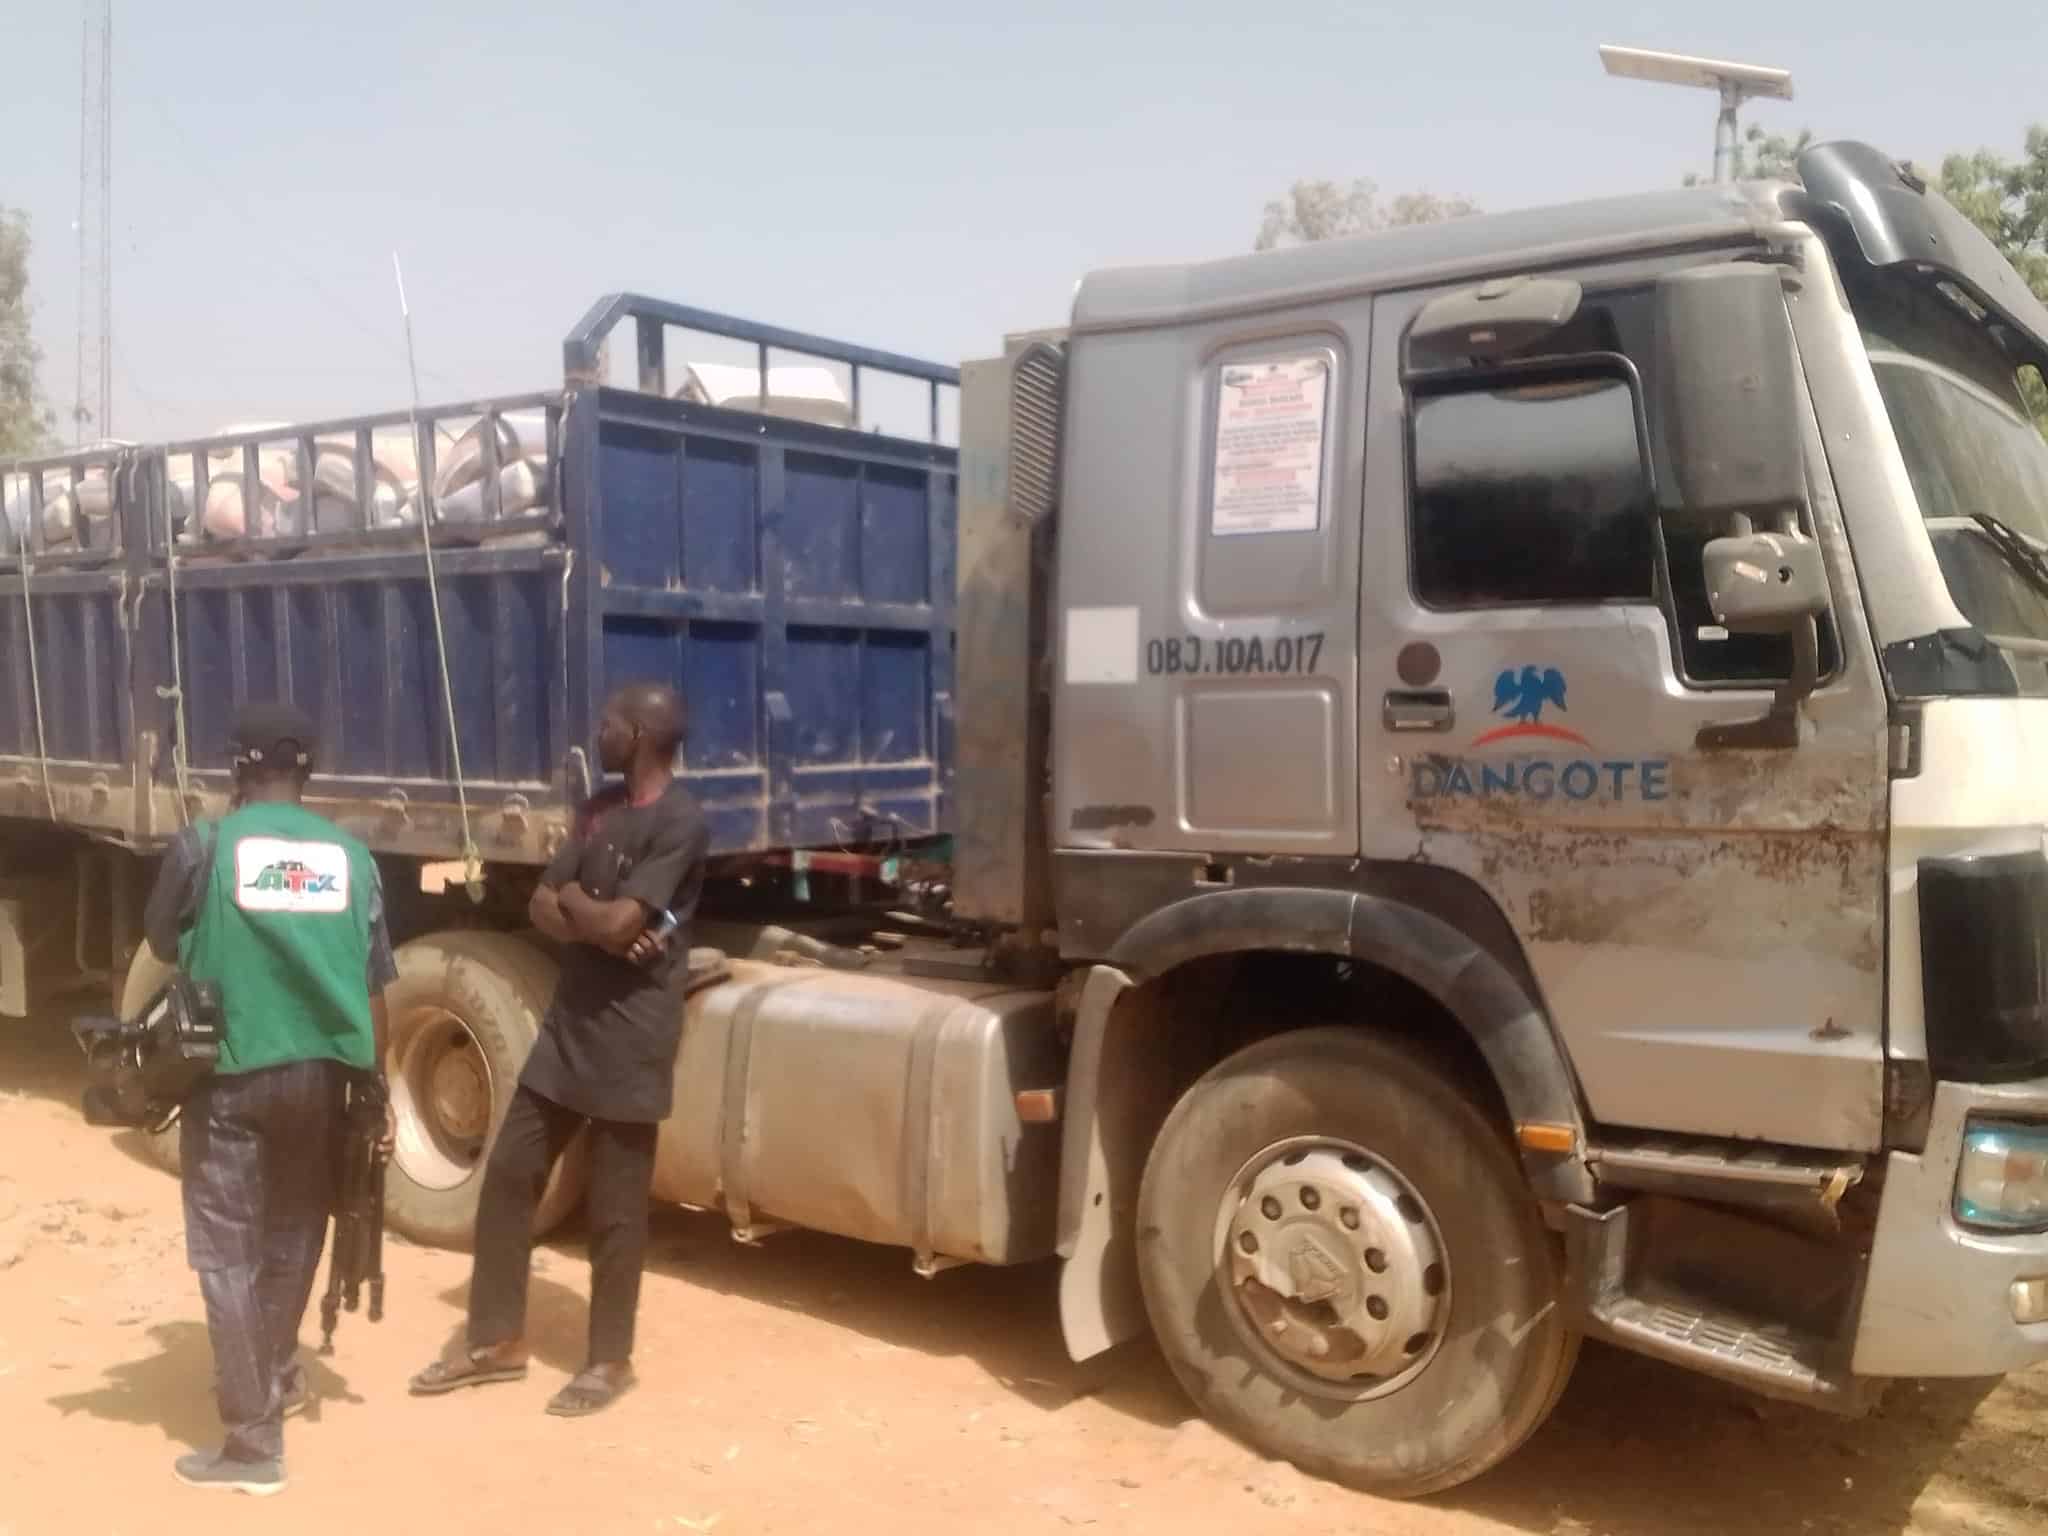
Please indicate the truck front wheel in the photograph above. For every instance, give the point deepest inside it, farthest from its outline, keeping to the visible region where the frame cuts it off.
(1345, 1268)
(465, 1011)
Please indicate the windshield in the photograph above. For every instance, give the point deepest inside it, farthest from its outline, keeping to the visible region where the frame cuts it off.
(1971, 450)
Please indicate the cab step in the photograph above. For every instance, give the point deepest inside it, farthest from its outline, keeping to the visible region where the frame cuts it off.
(1652, 1316)
(1767, 1357)
(1744, 1172)
(1789, 1185)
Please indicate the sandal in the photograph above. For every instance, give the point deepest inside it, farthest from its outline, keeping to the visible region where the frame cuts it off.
(445, 1375)
(588, 1393)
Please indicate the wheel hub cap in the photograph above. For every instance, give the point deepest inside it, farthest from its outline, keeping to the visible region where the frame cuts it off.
(461, 1094)
(1336, 1266)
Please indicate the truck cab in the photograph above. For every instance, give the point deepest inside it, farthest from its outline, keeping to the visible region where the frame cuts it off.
(1597, 655)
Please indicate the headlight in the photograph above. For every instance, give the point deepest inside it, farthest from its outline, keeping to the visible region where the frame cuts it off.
(2003, 1181)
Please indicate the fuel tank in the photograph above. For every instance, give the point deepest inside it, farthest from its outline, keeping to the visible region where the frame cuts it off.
(875, 1106)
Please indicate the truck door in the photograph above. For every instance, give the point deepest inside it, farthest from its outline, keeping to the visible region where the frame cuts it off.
(1536, 662)
(1207, 700)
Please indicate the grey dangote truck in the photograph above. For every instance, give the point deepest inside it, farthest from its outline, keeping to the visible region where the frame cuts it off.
(1495, 783)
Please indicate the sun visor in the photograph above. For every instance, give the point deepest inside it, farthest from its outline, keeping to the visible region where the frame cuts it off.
(1897, 220)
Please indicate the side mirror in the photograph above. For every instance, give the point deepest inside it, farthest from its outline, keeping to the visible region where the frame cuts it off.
(1768, 584)
(1728, 413)
(1765, 583)
(1728, 393)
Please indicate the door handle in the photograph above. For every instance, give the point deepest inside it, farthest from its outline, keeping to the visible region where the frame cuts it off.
(1418, 709)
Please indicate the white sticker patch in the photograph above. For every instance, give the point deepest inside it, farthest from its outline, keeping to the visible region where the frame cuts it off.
(273, 875)
(1102, 645)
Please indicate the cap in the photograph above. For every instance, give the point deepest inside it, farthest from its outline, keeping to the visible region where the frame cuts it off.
(274, 734)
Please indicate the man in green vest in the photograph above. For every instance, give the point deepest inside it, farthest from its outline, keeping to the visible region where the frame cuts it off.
(283, 911)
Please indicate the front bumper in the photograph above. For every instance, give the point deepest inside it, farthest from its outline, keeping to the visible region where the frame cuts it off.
(1937, 1299)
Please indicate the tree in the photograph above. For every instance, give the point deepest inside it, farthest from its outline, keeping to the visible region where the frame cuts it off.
(1323, 210)
(2008, 200)
(1761, 156)
(25, 421)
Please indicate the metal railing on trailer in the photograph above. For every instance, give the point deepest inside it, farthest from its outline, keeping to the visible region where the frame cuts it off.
(66, 581)
(818, 583)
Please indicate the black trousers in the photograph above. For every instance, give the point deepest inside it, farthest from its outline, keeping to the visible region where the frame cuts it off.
(258, 1151)
(536, 1132)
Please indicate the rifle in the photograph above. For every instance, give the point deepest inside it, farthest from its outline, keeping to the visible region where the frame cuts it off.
(359, 1209)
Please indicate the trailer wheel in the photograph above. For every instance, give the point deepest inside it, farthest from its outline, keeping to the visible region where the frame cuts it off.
(465, 1011)
(1345, 1268)
(146, 977)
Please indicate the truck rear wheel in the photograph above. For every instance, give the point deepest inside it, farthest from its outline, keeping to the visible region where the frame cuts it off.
(465, 1011)
(1344, 1266)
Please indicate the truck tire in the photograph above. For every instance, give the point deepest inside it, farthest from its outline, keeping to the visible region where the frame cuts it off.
(465, 1011)
(146, 977)
(1345, 1268)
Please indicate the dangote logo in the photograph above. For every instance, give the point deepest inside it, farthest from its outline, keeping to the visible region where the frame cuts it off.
(290, 875)
(1520, 698)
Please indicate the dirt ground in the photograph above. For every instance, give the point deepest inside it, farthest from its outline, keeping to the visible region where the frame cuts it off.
(814, 1384)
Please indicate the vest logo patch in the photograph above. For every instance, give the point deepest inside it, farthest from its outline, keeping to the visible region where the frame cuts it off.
(273, 875)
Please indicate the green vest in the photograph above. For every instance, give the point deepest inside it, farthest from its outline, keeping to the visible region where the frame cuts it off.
(284, 932)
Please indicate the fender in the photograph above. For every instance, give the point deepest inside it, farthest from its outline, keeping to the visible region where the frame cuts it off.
(1109, 1109)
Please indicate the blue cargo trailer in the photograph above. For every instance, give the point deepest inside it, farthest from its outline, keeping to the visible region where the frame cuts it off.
(794, 578)
(452, 593)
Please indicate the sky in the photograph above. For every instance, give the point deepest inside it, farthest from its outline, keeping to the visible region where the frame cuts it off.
(917, 175)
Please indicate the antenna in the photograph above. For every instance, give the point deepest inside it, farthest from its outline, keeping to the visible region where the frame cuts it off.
(93, 402)
(472, 860)
(1736, 84)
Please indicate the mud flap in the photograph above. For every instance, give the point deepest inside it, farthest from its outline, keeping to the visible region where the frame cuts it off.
(1102, 1158)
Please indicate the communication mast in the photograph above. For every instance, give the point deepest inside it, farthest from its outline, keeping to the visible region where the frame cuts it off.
(1735, 84)
(92, 413)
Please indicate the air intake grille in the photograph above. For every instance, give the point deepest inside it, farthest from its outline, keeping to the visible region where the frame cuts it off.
(1037, 380)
